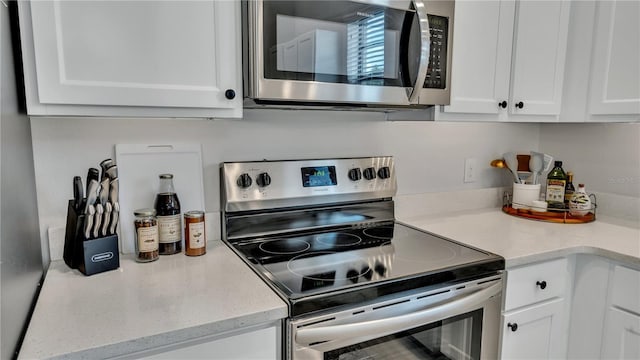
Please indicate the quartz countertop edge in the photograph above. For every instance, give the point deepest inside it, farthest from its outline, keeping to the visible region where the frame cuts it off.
(523, 241)
(145, 306)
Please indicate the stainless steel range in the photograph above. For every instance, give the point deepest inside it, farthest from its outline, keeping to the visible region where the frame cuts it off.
(359, 285)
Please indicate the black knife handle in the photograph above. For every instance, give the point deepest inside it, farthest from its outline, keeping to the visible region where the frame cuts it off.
(92, 174)
(78, 192)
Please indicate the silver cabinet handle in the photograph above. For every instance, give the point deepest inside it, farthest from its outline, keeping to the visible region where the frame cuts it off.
(382, 327)
(425, 47)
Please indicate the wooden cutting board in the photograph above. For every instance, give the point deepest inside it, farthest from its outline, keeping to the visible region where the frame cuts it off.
(138, 168)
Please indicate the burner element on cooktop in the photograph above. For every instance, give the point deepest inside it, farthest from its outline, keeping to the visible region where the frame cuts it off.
(413, 249)
(339, 239)
(327, 262)
(284, 246)
(380, 232)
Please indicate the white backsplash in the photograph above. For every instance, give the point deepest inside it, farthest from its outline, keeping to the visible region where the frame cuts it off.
(429, 156)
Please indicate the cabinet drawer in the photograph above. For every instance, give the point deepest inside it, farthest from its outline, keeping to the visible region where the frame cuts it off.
(533, 283)
(626, 289)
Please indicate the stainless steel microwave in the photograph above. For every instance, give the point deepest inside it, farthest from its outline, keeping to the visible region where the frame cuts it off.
(367, 53)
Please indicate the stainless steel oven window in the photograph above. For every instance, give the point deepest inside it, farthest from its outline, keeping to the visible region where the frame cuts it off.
(455, 338)
(457, 322)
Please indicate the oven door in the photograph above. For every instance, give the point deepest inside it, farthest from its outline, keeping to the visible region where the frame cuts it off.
(457, 322)
(367, 52)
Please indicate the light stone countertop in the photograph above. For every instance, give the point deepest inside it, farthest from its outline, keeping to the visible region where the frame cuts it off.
(522, 241)
(178, 298)
(141, 306)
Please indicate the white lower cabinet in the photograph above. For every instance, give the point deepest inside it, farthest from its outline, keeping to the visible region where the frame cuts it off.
(534, 324)
(605, 310)
(621, 335)
(535, 332)
(258, 344)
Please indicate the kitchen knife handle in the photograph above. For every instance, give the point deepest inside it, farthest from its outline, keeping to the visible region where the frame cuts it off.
(112, 172)
(107, 218)
(97, 219)
(92, 193)
(114, 186)
(92, 174)
(104, 165)
(88, 221)
(103, 196)
(114, 218)
(78, 192)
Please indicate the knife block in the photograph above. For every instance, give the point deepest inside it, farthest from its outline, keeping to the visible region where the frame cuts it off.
(90, 256)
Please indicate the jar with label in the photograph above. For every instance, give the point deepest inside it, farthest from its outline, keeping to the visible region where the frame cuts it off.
(580, 203)
(167, 208)
(146, 243)
(195, 240)
(556, 183)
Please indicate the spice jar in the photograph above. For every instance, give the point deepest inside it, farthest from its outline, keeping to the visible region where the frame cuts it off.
(167, 208)
(146, 242)
(195, 241)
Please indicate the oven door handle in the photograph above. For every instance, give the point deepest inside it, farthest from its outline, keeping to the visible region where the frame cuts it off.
(425, 46)
(382, 327)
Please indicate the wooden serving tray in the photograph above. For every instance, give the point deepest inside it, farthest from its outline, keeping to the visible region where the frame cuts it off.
(563, 217)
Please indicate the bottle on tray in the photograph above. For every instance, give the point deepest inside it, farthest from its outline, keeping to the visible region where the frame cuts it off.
(569, 189)
(556, 183)
(580, 203)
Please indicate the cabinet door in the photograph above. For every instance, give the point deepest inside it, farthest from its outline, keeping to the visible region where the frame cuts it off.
(539, 52)
(261, 344)
(170, 54)
(621, 335)
(540, 332)
(615, 71)
(481, 60)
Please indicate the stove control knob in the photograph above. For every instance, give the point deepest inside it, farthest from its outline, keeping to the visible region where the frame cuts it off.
(263, 179)
(369, 173)
(244, 181)
(353, 274)
(355, 174)
(384, 172)
(366, 272)
(380, 269)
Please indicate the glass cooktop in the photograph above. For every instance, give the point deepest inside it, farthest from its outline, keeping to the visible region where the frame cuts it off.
(389, 258)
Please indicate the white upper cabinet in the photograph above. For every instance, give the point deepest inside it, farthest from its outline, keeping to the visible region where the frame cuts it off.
(481, 60)
(615, 70)
(508, 60)
(539, 51)
(132, 58)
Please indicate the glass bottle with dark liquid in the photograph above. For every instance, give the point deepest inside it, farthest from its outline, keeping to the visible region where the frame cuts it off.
(167, 208)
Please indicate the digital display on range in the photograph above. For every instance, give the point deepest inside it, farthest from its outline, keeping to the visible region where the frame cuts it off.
(319, 176)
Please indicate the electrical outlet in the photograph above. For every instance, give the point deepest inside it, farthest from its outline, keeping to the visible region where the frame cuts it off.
(470, 165)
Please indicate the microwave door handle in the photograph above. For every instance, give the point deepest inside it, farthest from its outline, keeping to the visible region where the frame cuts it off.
(382, 327)
(425, 45)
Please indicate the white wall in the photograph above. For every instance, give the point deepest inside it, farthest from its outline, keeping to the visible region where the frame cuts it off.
(605, 157)
(21, 264)
(429, 156)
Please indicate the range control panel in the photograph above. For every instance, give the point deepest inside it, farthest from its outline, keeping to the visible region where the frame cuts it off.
(271, 184)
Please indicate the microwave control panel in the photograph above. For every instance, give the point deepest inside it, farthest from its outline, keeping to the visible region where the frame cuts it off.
(436, 73)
